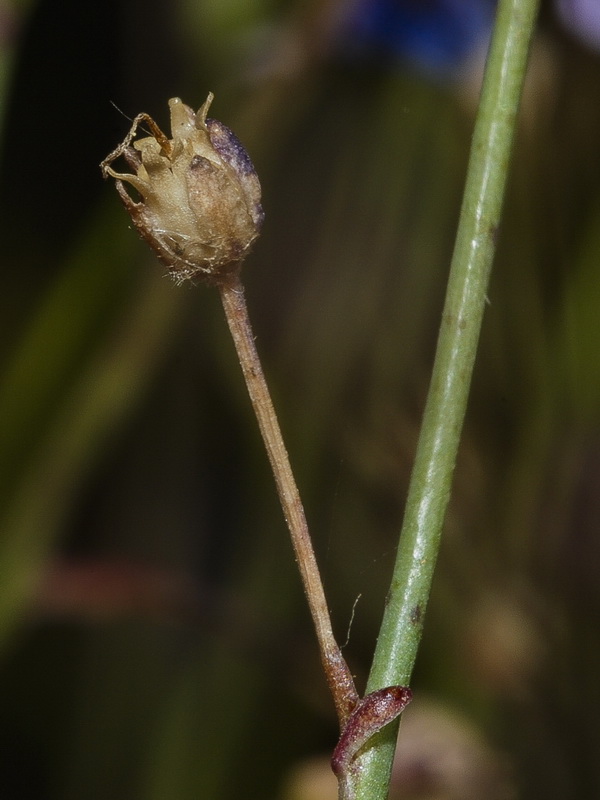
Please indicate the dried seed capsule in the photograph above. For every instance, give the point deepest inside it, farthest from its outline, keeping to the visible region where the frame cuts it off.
(199, 206)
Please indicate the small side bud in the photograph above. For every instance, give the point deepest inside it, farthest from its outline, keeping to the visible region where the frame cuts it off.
(199, 206)
(371, 714)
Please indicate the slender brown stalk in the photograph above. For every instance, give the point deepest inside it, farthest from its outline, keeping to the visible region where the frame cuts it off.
(200, 212)
(336, 670)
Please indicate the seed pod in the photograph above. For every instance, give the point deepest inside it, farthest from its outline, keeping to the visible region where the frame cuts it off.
(199, 206)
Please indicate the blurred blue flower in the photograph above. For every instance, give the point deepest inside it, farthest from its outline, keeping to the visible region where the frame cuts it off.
(437, 36)
(582, 17)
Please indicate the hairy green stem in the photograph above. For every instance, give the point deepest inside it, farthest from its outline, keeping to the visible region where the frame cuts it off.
(431, 478)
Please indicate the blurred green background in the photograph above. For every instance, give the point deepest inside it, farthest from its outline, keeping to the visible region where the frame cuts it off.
(154, 640)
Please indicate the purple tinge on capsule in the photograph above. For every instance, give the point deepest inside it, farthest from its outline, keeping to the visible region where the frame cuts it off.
(231, 150)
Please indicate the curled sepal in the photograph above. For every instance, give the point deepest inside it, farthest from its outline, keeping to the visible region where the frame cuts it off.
(199, 206)
(372, 713)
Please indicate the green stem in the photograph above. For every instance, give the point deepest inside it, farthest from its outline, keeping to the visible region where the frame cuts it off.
(431, 478)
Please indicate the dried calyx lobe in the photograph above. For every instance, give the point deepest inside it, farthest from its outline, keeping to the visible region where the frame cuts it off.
(199, 206)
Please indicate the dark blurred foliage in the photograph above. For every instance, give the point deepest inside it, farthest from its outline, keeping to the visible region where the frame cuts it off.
(155, 641)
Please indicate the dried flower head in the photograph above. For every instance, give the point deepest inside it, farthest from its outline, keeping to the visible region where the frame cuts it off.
(200, 195)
